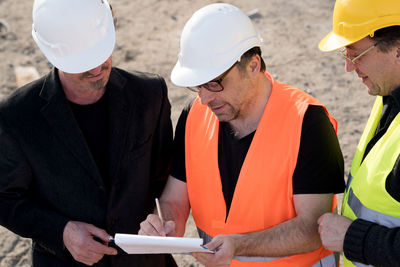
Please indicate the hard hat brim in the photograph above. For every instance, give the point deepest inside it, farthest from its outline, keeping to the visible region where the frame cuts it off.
(333, 42)
(85, 60)
(188, 77)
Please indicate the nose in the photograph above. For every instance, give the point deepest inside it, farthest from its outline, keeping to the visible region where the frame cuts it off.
(96, 70)
(206, 96)
(349, 65)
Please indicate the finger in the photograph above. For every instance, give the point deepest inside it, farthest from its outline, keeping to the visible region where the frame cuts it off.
(320, 219)
(202, 257)
(199, 259)
(99, 248)
(321, 226)
(214, 243)
(87, 257)
(152, 226)
(97, 232)
(157, 224)
(169, 228)
(146, 228)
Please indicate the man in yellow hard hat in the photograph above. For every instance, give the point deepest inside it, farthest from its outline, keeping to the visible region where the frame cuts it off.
(257, 161)
(368, 32)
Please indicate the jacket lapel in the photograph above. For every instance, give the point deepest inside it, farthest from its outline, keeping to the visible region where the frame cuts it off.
(118, 118)
(61, 119)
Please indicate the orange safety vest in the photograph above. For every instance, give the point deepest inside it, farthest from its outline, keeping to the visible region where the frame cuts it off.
(263, 195)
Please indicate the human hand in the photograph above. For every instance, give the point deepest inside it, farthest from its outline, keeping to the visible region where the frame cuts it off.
(332, 229)
(224, 247)
(78, 239)
(154, 227)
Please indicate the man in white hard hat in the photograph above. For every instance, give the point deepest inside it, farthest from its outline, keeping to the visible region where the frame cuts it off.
(84, 150)
(368, 32)
(257, 161)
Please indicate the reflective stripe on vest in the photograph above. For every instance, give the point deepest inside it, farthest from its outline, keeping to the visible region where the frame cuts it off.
(359, 264)
(328, 261)
(365, 213)
(349, 179)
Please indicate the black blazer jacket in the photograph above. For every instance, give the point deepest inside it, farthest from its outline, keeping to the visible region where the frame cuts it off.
(48, 176)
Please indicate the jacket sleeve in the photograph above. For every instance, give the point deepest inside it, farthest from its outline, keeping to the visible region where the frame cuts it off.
(20, 208)
(162, 147)
(372, 244)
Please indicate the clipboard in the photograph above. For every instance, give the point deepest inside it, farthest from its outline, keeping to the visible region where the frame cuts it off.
(141, 244)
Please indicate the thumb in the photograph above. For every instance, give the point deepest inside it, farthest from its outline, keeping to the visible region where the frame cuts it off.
(214, 243)
(169, 228)
(320, 219)
(99, 233)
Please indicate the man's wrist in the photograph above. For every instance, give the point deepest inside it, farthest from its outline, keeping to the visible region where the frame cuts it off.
(239, 242)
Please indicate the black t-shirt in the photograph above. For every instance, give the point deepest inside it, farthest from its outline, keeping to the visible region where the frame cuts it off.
(319, 168)
(93, 121)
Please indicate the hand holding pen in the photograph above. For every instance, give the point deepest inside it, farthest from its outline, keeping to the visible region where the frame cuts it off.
(155, 225)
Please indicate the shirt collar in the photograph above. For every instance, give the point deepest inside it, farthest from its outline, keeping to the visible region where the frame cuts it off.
(395, 97)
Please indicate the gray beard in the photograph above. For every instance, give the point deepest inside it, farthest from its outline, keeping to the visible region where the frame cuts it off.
(95, 86)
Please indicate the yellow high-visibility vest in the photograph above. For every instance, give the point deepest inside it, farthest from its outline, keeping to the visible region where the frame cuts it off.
(366, 196)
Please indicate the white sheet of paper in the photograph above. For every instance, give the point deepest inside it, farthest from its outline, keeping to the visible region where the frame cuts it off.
(140, 244)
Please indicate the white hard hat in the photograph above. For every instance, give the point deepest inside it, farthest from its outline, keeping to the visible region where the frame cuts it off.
(213, 39)
(74, 35)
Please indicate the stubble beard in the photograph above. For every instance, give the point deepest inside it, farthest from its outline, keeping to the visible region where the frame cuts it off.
(96, 85)
(228, 116)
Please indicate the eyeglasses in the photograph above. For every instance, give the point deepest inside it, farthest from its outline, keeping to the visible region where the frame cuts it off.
(354, 59)
(213, 86)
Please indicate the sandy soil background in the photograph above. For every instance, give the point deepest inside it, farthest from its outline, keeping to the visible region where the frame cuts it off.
(148, 40)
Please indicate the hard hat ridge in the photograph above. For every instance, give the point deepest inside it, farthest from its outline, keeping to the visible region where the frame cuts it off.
(355, 19)
(74, 35)
(212, 40)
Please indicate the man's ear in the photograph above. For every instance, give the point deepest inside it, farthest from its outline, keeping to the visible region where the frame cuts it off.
(398, 56)
(255, 64)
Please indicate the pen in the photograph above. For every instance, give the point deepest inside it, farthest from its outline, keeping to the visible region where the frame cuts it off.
(159, 211)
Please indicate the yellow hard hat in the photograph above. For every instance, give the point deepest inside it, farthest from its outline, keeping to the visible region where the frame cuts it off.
(355, 19)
